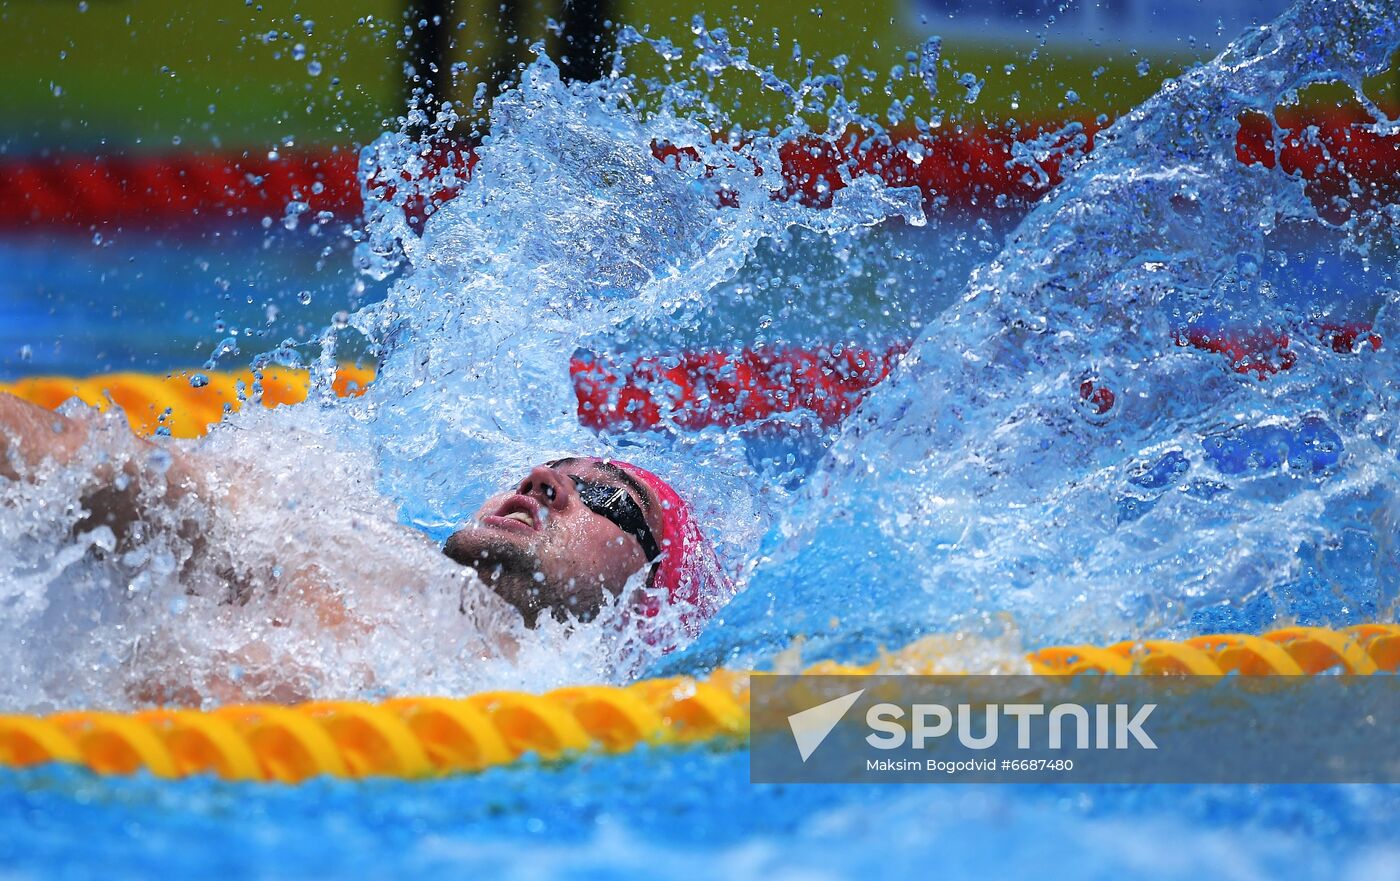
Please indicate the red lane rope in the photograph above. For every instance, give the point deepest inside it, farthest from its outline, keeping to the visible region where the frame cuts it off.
(63, 190)
(700, 389)
(1332, 152)
(965, 168)
(690, 390)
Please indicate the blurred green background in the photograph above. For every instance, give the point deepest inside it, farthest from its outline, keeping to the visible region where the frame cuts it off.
(160, 75)
(121, 78)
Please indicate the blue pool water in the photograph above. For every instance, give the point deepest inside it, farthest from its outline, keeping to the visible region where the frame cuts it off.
(977, 493)
(77, 304)
(684, 814)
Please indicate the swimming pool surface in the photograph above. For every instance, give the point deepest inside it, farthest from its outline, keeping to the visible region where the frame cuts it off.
(684, 813)
(1124, 413)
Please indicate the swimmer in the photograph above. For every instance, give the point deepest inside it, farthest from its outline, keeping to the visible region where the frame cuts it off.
(575, 530)
(562, 542)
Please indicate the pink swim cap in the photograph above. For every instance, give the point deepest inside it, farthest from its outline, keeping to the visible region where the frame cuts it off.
(687, 569)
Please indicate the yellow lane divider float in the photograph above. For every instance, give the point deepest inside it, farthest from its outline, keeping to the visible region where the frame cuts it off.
(415, 737)
(172, 402)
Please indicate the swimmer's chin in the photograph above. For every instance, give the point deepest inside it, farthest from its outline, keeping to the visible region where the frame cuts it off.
(477, 544)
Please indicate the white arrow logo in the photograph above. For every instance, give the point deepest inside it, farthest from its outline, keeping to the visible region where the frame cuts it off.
(810, 727)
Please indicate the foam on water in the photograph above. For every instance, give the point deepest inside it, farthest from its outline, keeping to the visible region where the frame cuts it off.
(979, 489)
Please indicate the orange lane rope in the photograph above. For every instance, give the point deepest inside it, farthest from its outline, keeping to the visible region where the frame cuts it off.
(416, 737)
(171, 402)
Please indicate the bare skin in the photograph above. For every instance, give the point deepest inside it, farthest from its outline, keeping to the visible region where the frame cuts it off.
(543, 550)
(33, 434)
(537, 545)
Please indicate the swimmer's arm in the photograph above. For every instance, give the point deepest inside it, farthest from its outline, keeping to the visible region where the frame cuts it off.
(32, 434)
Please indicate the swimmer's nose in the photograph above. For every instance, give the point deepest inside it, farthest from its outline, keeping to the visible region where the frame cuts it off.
(547, 486)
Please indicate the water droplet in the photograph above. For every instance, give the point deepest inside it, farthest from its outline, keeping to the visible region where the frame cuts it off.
(973, 86)
(160, 460)
(227, 346)
(313, 67)
(299, 52)
(929, 56)
(304, 298)
(1143, 67)
(199, 380)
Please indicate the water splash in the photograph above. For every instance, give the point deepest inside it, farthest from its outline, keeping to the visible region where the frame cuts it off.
(929, 56)
(589, 212)
(1049, 454)
(1051, 457)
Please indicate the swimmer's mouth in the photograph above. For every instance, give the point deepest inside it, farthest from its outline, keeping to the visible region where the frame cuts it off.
(518, 513)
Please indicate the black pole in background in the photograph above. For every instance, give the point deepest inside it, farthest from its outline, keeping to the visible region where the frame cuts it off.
(585, 53)
(508, 53)
(429, 23)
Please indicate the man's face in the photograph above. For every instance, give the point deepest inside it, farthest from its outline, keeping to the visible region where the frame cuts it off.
(542, 547)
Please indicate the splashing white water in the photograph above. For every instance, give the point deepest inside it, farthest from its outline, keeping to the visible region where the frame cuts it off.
(288, 574)
(981, 480)
(991, 475)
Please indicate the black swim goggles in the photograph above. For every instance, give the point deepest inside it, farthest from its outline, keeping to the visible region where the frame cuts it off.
(617, 505)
